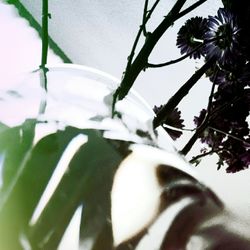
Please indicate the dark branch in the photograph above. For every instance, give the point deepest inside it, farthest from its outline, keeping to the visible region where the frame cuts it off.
(151, 65)
(205, 124)
(140, 61)
(191, 8)
(151, 10)
(144, 18)
(137, 38)
(229, 135)
(182, 92)
(197, 157)
(45, 36)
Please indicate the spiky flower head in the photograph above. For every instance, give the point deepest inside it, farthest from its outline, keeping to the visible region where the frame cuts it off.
(172, 123)
(191, 35)
(223, 32)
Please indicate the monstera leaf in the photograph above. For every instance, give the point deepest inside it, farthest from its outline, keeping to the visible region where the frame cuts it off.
(86, 181)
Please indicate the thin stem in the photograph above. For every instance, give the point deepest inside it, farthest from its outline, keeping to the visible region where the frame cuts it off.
(210, 99)
(191, 8)
(180, 129)
(144, 18)
(181, 93)
(45, 45)
(229, 135)
(140, 61)
(204, 123)
(137, 38)
(208, 110)
(194, 138)
(151, 10)
(197, 157)
(194, 159)
(45, 37)
(151, 65)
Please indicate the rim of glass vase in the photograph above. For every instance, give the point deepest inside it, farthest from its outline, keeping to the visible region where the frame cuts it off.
(72, 66)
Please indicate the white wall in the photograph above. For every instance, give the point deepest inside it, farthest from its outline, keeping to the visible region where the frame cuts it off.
(100, 34)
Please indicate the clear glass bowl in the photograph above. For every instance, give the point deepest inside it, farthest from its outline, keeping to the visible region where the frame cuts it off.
(59, 149)
(78, 96)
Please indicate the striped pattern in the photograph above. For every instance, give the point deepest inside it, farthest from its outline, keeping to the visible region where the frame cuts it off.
(158, 203)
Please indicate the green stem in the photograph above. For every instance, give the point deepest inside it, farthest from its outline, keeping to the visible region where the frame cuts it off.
(45, 46)
(45, 36)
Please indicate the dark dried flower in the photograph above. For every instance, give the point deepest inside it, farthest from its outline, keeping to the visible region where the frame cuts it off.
(227, 134)
(224, 32)
(245, 157)
(235, 165)
(172, 120)
(199, 119)
(191, 35)
(226, 39)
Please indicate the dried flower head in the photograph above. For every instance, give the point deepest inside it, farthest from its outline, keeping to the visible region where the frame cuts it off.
(191, 35)
(223, 32)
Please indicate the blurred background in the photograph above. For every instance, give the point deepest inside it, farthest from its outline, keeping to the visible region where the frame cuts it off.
(100, 34)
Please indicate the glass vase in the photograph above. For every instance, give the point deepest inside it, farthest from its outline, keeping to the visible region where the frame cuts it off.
(60, 148)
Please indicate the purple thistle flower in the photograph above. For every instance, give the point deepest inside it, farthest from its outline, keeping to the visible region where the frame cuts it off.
(223, 29)
(191, 35)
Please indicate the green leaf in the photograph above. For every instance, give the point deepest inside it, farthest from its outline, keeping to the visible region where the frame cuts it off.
(20, 197)
(14, 144)
(88, 181)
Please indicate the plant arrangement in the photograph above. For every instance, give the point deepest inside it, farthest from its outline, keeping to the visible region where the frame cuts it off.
(92, 177)
(222, 42)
